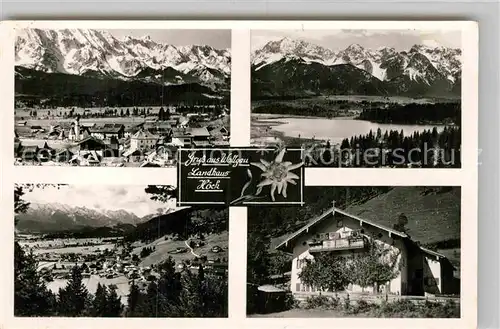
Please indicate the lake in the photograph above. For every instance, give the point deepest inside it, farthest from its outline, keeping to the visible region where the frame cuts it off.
(337, 129)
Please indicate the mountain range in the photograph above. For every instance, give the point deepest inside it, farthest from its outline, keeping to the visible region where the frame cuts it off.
(289, 67)
(84, 56)
(57, 217)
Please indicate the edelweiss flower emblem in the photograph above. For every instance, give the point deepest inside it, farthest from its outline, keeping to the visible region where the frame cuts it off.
(277, 174)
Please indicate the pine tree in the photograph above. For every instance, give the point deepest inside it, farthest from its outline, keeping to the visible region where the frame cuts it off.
(161, 114)
(148, 306)
(190, 299)
(114, 306)
(201, 273)
(121, 112)
(133, 299)
(31, 296)
(73, 299)
(169, 289)
(127, 113)
(99, 304)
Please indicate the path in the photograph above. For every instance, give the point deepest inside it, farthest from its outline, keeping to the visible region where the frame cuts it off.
(191, 249)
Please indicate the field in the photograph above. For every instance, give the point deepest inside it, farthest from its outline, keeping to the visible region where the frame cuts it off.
(55, 243)
(123, 120)
(163, 247)
(79, 249)
(59, 112)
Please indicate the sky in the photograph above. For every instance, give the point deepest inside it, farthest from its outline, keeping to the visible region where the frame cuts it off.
(371, 39)
(131, 198)
(219, 39)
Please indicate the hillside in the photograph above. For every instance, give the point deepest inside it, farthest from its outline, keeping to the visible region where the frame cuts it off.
(183, 223)
(433, 212)
(164, 245)
(60, 89)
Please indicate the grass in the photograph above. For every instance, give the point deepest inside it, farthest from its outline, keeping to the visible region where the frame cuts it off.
(163, 247)
(79, 249)
(431, 218)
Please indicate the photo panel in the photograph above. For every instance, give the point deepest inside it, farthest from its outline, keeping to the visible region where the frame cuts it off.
(117, 251)
(359, 98)
(357, 251)
(119, 97)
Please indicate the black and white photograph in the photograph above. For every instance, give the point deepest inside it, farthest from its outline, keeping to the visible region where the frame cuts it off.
(119, 98)
(117, 251)
(362, 251)
(359, 98)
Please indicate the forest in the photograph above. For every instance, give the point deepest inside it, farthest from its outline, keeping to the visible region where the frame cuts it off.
(439, 113)
(426, 149)
(374, 111)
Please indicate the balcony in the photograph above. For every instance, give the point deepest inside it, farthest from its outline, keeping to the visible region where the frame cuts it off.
(337, 244)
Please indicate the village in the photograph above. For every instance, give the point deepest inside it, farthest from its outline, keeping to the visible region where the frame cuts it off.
(116, 137)
(114, 261)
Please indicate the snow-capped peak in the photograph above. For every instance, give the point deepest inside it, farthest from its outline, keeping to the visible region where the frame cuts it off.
(446, 61)
(77, 51)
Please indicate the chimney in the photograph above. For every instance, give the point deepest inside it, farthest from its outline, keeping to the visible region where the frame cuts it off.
(333, 203)
(77, 128)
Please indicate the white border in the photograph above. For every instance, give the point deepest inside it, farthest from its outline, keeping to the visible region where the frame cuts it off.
(240, 115)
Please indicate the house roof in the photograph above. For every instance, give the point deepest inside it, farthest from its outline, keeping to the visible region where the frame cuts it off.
(201, 132)
(201, 143)
(325, 215)
(32, 148)
(107, 128)
(38, 143)
(90, 138)
(433, 253)
(144, 134)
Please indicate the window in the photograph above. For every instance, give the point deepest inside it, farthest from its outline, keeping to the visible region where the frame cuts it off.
(297, 287)
(301, 262)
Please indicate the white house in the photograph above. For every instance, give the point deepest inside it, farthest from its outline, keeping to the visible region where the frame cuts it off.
(422, 271)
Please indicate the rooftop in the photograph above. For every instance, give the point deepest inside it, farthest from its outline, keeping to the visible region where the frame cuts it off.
(144, 134)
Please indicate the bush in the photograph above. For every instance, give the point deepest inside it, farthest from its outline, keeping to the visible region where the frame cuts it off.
(347, 302)
(323, 302)
(317, 302)
(291, 302)
(408, 309)
(362, 306)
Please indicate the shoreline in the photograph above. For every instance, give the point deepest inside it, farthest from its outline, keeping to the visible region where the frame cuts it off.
(262, 128)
